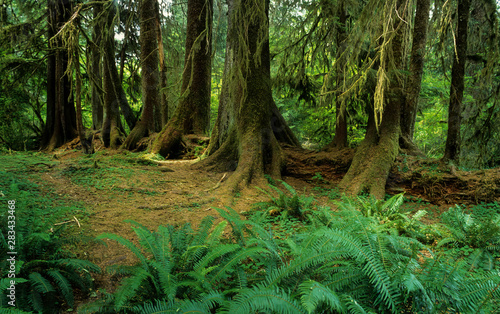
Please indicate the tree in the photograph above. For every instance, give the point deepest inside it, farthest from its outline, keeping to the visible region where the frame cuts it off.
(375, 155)
(452, 148)
(60, 125)
(112, 131)
(340, 138)
(95, 71)
(409, 112)
(150, 76)
(244, 138)
(192, 115)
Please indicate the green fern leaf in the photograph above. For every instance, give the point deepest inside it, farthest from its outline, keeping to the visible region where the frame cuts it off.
(129, 245)
(314, 293)
(264, 299)
(129, 286)
(63, 285)
(40, 284)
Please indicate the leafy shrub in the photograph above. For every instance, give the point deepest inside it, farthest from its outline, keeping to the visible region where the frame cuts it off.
(473, 233)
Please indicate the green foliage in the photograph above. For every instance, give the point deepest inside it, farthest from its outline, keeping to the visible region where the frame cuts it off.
(473, 235)
(183, 267)
(295, 205)
(46, 275)
(340, 262)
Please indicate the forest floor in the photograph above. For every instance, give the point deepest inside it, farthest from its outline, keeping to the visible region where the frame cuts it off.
(116, 186)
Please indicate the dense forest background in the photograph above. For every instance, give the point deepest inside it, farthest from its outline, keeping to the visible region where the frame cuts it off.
(352, 149)
(74, 68)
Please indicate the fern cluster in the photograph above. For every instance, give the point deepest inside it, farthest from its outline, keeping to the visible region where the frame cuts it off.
(339, 262)
(46, 274)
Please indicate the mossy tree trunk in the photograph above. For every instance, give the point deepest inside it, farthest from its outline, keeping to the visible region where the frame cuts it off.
(150, 75)
(244, 137)
(452, 148)
(95, 71)
(414, 83)
(192, 115)
(60, 124)
(375, 156)
(112, 131)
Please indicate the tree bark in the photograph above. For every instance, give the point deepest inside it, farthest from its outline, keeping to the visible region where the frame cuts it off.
(192, 115)
(452, 148)
(340, 138)
(95, 72)
(244, 139)
(378, 150)
(150, 76)
(112, 131)
(413, 86)
(61, 116)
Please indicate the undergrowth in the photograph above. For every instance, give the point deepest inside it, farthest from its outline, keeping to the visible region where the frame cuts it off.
(358, 259)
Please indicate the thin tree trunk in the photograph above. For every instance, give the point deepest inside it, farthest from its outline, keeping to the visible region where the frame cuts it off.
(192, 115)
(150, 75)
(340, 139)
(452, 148)
(112, 131)
(86, 144)
(95, 72)
(409, 112)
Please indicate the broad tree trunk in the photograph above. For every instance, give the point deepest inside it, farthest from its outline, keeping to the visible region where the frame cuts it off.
(414, 83)
(150, 76)
(192, 115)
(112, 131)
(95, 72)
(60, 125)
(375, 156)
(452, 148)
(244, 138)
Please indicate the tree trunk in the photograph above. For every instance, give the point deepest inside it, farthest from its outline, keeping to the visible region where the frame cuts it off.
(376, 154)
(192, 115)
(150, 76)
(61, 115)
(244, 138)
(95, 72)
(414, 83)
(340, 139)
(86, 144)
(112, 131)
(452, 148)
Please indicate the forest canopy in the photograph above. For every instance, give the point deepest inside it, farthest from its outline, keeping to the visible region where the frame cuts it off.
(384, 77)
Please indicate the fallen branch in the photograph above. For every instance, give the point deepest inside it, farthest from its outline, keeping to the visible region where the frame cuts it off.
(69, 221)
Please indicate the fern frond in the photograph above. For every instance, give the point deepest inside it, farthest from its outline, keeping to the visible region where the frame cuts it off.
(235, 258)
(128, 288)
(314, 293)
(264, 299)
(165, 281)
(216, 234)
(40, 284)
(129, 245)
(63, 285)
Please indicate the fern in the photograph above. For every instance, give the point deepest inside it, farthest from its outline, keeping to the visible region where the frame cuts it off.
(262, 298)
(314, 293)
